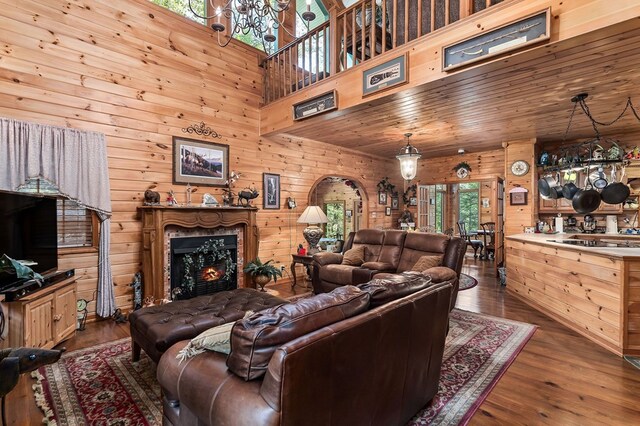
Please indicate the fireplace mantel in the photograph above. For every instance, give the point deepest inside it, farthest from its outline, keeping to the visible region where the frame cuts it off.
(156, 218)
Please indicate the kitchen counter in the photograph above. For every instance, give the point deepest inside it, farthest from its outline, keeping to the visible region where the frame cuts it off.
(549, 240)
(592, 290)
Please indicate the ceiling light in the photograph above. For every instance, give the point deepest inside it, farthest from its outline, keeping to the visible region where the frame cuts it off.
(408, 157)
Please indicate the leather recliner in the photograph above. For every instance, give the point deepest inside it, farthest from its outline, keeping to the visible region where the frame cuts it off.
(386, 252)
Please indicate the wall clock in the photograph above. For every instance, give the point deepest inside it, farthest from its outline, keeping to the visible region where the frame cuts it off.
(520, 168)
(462, 173)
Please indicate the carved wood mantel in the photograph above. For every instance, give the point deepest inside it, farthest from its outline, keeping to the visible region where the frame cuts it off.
(156, 218)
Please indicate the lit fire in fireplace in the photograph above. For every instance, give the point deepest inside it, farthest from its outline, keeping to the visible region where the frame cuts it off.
(211, 273)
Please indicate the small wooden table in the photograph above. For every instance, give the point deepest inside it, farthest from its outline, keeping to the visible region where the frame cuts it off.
(305, 260)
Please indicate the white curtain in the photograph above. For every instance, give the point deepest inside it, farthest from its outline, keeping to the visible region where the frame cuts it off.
(76, 162)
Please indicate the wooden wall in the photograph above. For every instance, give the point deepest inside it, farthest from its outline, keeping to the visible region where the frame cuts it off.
(484, 165)
(518, 217)
(139, 74)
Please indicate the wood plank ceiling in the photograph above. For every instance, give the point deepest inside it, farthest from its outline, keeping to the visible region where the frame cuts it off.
(523, 96)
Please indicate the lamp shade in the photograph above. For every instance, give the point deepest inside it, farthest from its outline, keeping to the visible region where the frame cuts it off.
(408, 157)
(313, 214)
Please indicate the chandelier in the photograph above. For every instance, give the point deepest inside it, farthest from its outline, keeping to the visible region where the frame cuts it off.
(260, 18)
(408, 157)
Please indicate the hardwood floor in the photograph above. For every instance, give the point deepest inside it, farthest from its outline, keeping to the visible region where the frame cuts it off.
(559, 378)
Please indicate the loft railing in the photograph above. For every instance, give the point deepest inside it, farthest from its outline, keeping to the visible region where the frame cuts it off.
(355, 35)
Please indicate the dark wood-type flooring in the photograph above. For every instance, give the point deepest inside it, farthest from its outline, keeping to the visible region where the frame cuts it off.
(560, 378)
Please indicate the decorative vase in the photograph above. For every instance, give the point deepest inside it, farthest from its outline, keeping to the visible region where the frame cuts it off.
(261, 280)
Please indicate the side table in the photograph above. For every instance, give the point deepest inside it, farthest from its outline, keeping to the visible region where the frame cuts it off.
(305, 260)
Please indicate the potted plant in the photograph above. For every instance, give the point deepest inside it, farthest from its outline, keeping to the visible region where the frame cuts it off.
(262, 273)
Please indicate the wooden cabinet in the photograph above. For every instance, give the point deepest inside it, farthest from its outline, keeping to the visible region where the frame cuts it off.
(44, 318)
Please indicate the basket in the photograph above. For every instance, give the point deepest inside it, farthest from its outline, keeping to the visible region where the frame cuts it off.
(503, 275)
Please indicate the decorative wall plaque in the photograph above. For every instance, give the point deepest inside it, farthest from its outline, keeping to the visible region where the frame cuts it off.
(318, 105)
(528, 30)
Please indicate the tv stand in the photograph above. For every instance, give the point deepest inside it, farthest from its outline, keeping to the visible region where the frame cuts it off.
(45, 317)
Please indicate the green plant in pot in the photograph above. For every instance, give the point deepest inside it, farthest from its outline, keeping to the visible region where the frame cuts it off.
(262, 273)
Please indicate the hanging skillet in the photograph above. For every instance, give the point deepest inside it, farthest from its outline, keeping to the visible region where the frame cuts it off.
(616, 192)
(586, 200)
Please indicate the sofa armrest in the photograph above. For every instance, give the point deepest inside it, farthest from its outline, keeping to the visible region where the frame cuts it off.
(362, 275)
(215, 399)
(327, 258)
(379, 266)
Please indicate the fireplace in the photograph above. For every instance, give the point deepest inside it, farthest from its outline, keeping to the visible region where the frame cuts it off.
(160, 224)
(203, 265)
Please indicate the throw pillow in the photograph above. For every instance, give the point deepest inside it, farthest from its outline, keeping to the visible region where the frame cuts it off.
(354, 256)
(216, 339)
(426, 262)
(254, 340)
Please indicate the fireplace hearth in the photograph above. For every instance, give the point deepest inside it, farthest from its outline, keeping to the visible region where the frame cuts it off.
(203, 265)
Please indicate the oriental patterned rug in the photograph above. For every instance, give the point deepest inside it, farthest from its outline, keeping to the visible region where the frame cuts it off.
(101, 386)
(466, 282)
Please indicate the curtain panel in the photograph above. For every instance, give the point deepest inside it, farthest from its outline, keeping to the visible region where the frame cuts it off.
(76, 162)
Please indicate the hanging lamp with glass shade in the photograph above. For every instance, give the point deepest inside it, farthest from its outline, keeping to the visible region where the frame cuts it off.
(408, 157)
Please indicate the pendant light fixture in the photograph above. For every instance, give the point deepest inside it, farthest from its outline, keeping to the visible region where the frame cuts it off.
(408, 157)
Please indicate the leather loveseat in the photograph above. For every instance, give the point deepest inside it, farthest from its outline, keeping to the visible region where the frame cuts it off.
(386, 253)
(379, 365)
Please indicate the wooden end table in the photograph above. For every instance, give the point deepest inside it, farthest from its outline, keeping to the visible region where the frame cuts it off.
(305, 260)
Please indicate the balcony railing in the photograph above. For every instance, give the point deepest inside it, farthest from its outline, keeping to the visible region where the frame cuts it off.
(355, 35)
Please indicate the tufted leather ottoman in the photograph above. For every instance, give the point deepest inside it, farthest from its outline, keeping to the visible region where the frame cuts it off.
(155, 329)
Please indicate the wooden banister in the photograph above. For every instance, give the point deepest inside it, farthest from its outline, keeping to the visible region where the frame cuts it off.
(355, 35)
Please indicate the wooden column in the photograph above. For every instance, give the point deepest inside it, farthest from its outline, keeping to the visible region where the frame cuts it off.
(156, 218)
(517, 217)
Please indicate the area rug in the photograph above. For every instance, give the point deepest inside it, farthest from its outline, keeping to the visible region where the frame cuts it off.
(633, 361)
(101, 386)
(466, 282)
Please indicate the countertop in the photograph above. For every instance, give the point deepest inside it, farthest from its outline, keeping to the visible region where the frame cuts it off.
(544, 239)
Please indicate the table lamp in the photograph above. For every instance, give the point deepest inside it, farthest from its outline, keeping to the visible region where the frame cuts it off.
(312, 216)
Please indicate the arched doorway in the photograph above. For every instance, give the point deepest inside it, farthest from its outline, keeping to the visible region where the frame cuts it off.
(344, 201)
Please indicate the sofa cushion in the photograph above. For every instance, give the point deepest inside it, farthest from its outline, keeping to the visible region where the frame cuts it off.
(255, 339)
(426, 262)
(394, 286)
(325, 258)
(354, 256)
(372, 239)
(337, 274)
(440, 274)
(392, 248)
(418, 244)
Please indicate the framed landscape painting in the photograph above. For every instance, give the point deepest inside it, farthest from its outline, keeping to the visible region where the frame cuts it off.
(200, 163)
(270, 191)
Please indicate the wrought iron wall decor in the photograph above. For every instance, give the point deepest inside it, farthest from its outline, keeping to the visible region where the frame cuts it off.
(201, 129)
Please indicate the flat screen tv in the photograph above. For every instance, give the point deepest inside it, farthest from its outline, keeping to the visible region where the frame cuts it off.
(28, 231)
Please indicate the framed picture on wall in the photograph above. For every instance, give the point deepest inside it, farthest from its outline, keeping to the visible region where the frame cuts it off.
(270, 191)
(518, 198)
(395, 203)
(387, 211)
(348, 214)
(200, 163)
(382, 198)
(413, 201)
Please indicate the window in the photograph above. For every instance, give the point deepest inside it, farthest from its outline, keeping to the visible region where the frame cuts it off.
(335, 215)
(181, 7)
(77, 226)
(432, 203)
(469, 205)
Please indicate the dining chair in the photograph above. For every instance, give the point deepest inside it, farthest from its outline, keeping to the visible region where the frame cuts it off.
(489, 236)
(475, 244)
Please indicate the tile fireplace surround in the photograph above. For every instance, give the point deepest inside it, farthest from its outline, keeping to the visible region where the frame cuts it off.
(160, 222)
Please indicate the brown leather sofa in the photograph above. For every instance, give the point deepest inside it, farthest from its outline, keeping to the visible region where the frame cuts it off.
(377, 367)
(386, 252)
